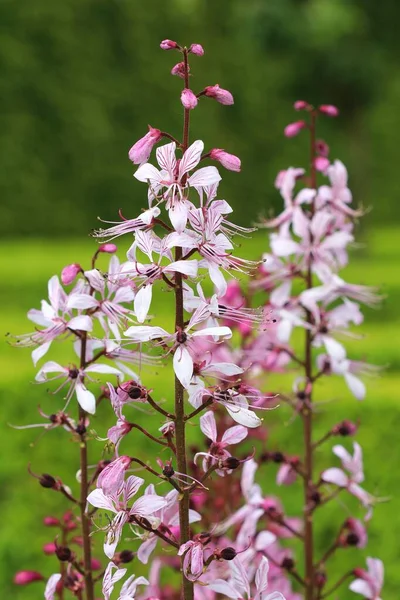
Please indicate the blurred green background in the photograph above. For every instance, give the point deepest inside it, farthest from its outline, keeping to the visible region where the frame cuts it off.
(80, 81)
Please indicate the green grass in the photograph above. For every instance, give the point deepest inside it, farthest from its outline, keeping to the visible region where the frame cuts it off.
(26, 265)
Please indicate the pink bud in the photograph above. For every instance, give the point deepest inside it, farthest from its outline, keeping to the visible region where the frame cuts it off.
(96, 564)
(51, 521)
(196, 49)
(229, 161)
(322, 148)
(49, 548)
(293, 129)
(140, 152)
(108, 248)
(168, 45)
(69, 273)
(25, 577)
(321, 163)
(219, 94)
(301, 105)
(179, 70)
(188, 99)
(111, 478)
(329, 109)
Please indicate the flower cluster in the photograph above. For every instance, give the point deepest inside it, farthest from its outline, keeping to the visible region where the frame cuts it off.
(203, 513)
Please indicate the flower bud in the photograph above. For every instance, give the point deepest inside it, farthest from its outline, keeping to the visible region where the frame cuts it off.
(51, 522)
(179, 70)
(64, 554)
(322, 148)
(95, 564)
(111, 477)
(329, 109)
(321, 163)
(294, 129)
(219, 94)
(47, 481)
(108, 248)
(320, 579)
(25, 577)
(168, 45)
(49, 548)
(278, 457)
(228, 553)
(197, 49)
(229, 161)
(301, 105)
(140, 152)
(188, 99)
(69, 273)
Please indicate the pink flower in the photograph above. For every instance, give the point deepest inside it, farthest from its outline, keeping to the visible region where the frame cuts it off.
(294, 129)
(229, 161)
(217, 451)
(25, 577)
(111, 479)
(117, 502)
(354, 467)
(219, 94)
(168, 45)
(110, 579)
(196, 49)
(173, 179)
(329, 109)
(69, 273)
(355, 534)
(369, 583)
(188, 99)
(140, 152)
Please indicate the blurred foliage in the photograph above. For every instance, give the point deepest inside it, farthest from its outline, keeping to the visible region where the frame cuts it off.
(82, 78)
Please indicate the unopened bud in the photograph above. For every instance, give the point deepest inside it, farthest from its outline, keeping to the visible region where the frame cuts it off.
(63, 553)
(197, 49)
(329, 109)
(228, 553)
(25, 577)
(95, 564)
(322, 148)
(51, 522)
(49, 548)
(140, 152)
(352, 539)
(294, 129)
(321, 163)
(301, 105)
(219, 94)
(188, 99)
(229, 161)
(179, 70)
(108, 248)
(320, 579)
(80, 429)
(69, 273)
(168, 45)
(47, 481)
